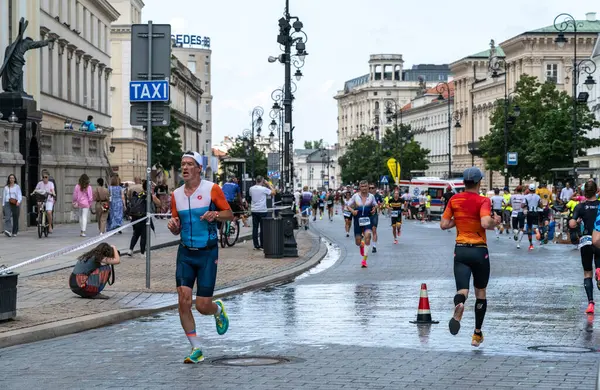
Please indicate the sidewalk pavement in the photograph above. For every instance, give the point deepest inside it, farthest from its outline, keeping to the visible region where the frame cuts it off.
(27, 245)
(47, 308)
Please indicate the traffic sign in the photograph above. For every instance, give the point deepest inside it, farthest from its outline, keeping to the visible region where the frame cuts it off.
(149, 91)
(160, 50)
(161, 115)
(384, 180)
(512, 158)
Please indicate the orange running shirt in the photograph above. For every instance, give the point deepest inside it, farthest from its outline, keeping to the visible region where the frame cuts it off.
(468, 208)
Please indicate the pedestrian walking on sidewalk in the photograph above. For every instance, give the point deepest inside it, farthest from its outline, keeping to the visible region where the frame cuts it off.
(258, 194)
(82, 200)
(93, 271)
(196, 207)
(117, 204)
(137, 210)
(470, 213)
(11, 204)
(101, 197)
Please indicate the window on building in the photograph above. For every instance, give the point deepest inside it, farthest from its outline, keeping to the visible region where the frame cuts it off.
(387, 72)
(376, 105)
(207, 107)
(192, 66)
(441, 77)
(377, 75)
(552, 73)
(388, 93)
(397, 72)
(374, 93)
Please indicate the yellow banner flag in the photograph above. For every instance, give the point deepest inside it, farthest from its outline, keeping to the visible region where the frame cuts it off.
(394, 168)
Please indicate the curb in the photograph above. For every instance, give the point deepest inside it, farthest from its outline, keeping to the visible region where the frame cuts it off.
(80, 324)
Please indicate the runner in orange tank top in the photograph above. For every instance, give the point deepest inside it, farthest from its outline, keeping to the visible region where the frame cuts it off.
(471, 215)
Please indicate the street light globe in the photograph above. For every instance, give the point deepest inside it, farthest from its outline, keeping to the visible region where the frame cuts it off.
(560, 40)
(516, 110)
(272, 125)
(271, 137)
(259, 122)
(276, 107)
(298, 74)
(590, 82)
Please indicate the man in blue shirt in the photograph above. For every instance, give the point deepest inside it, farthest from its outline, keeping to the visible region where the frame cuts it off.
(233, 194)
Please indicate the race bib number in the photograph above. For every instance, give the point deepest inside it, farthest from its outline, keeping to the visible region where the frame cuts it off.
(394, 213)
(347, 213)
(585, 241)
(364, 221)
(330, 202)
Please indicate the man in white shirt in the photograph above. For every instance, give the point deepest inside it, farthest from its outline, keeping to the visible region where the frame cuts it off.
(258, 194)
(566, 193)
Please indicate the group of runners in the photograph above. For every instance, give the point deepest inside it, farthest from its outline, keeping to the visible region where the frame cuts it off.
(198, 205)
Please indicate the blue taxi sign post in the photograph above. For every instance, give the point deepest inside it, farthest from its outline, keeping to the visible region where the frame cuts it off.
(149, 91)
(512, 158)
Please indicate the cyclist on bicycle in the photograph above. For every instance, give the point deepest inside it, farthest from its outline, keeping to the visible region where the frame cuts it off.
(48, 187)
(233, 194)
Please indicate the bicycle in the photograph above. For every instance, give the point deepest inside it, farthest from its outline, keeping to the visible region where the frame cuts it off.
(229, 232)
(42, 219)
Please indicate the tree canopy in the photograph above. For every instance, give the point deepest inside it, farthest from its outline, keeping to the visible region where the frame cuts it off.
(366, 158)
(166, 145)
(313, 144)
(239, 150)
(542, 134)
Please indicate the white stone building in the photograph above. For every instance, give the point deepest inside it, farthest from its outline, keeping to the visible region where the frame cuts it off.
(428, 118)
(75, 69)
(593, 154)
(316, 168)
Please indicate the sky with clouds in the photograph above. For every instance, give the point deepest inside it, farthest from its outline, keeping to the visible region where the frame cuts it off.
(341, 36)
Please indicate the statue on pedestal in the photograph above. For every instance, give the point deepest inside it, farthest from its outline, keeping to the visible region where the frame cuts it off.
(11, 71)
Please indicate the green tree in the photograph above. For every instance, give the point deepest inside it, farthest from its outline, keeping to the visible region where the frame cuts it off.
(542, 133)
(166, 145)
(366, 158)
(361, 162)
(313, 144)
(414, 157)
(243, 149)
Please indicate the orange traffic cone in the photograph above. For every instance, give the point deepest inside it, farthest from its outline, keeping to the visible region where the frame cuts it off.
(424, 313)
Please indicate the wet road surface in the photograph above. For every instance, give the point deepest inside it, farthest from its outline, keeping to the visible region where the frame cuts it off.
(348, 328)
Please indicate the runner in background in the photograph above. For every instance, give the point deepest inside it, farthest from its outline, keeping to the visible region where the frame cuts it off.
(396, 204)
(347, 211)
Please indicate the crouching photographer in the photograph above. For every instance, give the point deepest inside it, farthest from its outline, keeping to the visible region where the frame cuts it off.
(94, 270)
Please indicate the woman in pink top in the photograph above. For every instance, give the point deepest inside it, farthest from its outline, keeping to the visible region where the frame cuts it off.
(82, 200)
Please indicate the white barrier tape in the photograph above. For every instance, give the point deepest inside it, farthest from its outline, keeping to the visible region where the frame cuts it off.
(72, 248)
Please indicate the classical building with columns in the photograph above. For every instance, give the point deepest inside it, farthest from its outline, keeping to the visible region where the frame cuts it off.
(363, 99)
(534, 53)
(75, 69)
(428, 118)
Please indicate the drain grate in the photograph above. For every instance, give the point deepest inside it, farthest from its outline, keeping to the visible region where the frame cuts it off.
(561, 349)
(252, 361)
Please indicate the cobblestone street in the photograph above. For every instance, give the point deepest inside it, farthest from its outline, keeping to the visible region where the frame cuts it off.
(347, 327)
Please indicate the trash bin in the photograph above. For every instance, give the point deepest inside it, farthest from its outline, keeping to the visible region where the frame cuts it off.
(8, 294)
(272, 229)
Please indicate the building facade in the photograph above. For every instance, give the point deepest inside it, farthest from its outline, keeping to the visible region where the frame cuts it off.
(188, 104)
(316, 168)
(533, 53)
(428, 72)
(593, 154)
(429, 122)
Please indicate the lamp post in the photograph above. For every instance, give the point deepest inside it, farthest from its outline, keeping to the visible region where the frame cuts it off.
(393, 111)
(290, 35)
(585, 65)
(494, 66)
(257, 122)
(441, 88)
(277, 116)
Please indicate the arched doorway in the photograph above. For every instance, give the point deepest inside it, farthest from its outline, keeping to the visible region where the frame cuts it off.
(31, 170)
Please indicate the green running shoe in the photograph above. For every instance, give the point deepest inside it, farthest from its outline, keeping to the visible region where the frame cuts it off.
(222, 321)
(195, 357)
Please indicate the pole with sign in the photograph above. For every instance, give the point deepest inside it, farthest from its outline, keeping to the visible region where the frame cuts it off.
(149, 96)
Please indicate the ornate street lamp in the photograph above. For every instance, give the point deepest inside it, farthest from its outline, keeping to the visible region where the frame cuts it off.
(586, 65)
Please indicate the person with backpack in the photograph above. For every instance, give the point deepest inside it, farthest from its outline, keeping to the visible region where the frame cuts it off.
(93, 271)
(136, 210)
